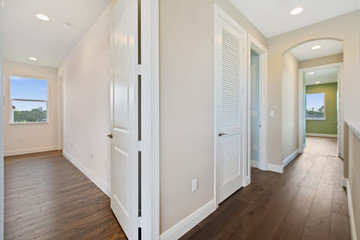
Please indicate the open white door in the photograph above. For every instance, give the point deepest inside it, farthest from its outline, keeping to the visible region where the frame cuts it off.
(124, 96)
(230, 103)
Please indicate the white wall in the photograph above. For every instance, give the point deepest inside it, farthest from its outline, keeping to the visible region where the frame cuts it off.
(86, 90)
(346, 28)
(187, 104)
(36, 137)
(290, 126)
(1, 137)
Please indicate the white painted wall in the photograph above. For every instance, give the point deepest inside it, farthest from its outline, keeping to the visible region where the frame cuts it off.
(36, 137)
(86, 105)
(290, 126)
(1, 137)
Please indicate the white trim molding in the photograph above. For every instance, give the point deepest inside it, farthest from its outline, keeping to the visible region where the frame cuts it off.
(30, 150)
(351, 209)
(321, 135)
(189, 222)
(291, 157)
(88, 173)
(275, 168)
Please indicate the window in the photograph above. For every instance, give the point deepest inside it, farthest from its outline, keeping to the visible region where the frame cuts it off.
(29, 100)
(315, 106)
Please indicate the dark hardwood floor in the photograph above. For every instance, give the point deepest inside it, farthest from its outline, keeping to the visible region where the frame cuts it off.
(305, 202)
(46, 197)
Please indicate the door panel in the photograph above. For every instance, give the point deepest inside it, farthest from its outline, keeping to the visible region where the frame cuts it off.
(124, 190)
(230, 102)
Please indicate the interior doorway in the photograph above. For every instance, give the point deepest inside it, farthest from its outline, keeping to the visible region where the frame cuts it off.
(257, 106)
(322, 111)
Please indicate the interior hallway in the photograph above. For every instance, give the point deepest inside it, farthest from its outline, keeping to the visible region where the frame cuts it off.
(46, 197)
(307, 201)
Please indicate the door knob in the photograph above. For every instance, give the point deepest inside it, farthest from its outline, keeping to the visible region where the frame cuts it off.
(110, 135)
(221, 134)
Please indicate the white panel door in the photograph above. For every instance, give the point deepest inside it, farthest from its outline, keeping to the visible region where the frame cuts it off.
(124, 185)
(231, 105)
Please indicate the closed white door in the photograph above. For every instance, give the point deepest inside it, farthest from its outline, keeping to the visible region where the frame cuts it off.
(230, 105)
(124, 187)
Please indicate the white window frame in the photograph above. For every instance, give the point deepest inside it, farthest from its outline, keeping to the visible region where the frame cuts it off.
(11, 120)
(318, 119)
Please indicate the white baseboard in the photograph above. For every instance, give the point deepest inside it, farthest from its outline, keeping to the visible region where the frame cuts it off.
(8, 153)
(88, 173)
(189, 222)
(275, 168)
(290, 158)
(344, 182)
(321, 135)
(351, 210)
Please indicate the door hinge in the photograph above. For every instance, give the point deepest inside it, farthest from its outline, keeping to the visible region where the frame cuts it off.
(139, 69)
(139, 222)
(139, 146)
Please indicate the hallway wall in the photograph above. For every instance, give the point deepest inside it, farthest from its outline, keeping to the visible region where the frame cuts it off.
(346, 28)
(87, 76)
(289, 105)
(187, 105)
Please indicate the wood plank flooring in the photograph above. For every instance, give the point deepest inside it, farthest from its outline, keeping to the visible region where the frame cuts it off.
(305, 202)
(46, 197)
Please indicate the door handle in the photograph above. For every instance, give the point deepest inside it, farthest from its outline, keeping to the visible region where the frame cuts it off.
(222, 134)
(110, 135)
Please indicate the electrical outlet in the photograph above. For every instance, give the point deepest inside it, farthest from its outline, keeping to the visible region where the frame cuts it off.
(91, 156)
(71, 145)
(194, 185)
(272, 113)
(22, 140)
(105, 164)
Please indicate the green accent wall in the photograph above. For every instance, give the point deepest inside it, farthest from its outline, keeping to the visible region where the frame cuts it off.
(329, 125)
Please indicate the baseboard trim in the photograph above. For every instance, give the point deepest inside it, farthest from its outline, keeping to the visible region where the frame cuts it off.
(89, 174)
(189, 222)
(275, 168)
(321, 135)
(29, 150)
(351, 210)
(290, 158)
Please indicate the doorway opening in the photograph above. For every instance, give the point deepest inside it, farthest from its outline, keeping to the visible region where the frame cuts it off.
(257, 107)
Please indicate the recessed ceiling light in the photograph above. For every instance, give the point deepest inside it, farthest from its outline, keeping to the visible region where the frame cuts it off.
(33, 58)
(311, 73)
(317, 82)
(296, 11)
(67, 25)
(42, 17)
(316, 47)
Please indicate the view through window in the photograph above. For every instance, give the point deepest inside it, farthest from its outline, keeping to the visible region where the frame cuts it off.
(29, 100)
(315, 106)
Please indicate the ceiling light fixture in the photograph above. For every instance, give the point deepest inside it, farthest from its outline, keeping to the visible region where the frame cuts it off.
(42, 17)
(311, 73)
(296, 11)
(316, 47)
(33, 58)
(67, 25)
(317, 82)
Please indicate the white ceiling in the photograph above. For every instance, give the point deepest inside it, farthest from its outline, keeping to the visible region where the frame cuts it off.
(328, 47)
(271, 17)
(325, 75)
(26, 36)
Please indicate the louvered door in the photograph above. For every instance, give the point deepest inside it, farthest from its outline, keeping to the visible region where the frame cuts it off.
(230, 101)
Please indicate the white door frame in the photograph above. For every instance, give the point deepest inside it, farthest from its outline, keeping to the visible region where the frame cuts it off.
(340, 105)
(221, 14)
(149, 69)
(149, 146)
(260, 49)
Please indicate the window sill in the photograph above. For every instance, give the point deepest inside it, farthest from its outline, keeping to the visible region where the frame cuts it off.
(29, 123)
